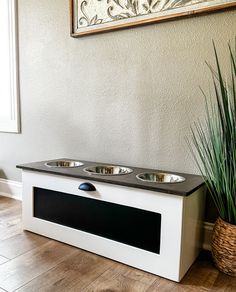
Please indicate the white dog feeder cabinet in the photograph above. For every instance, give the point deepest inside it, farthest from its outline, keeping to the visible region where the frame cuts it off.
(126, 214)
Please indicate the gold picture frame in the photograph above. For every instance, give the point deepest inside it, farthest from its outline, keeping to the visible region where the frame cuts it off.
(96, 16)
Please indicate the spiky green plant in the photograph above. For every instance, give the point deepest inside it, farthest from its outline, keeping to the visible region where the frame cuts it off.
(214, 141)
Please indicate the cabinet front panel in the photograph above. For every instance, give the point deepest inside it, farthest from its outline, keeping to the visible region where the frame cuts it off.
(128, 225)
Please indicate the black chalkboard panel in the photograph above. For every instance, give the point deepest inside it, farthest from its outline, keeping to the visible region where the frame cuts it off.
(132, 226)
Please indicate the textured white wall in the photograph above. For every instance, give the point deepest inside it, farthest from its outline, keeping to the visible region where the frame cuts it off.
(125, 97)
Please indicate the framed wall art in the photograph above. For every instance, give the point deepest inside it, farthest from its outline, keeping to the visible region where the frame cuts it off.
(93, 16)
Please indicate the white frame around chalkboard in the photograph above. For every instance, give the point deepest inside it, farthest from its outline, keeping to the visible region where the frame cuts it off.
(95, 16)
(11, 123)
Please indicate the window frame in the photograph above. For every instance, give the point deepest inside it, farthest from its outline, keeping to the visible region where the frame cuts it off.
(12, 124)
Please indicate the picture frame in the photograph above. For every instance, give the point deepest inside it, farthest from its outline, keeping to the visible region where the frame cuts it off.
(96, 16)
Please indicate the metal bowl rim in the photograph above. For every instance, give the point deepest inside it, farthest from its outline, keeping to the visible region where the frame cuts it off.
(130, 170)
(65, 160)
(182, 179)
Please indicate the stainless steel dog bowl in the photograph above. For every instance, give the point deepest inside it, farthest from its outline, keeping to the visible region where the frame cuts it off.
(160, 177)
(64, 163)
(108, 170)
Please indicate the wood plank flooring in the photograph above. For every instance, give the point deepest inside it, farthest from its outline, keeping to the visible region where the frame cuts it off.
(29, 262)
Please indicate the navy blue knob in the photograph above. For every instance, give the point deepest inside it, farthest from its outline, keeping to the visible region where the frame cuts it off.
(87, 187)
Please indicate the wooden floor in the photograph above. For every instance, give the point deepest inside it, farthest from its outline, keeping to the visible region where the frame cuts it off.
(29, 262)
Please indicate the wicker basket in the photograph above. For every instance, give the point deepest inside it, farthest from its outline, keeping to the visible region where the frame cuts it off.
(224, 247)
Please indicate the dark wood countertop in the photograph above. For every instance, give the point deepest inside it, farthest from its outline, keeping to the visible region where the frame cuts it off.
(191, 184)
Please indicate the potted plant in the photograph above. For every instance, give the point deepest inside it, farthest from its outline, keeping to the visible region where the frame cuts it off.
(214, 150)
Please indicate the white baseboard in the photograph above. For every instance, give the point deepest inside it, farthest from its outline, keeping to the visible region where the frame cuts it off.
(207, 235)
(11, 189)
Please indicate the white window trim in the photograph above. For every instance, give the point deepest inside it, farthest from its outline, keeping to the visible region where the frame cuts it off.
(13, 124)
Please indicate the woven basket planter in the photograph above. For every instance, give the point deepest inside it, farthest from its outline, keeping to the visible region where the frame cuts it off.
(224, 247)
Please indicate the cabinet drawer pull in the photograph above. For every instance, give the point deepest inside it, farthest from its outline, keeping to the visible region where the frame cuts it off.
(87, 187)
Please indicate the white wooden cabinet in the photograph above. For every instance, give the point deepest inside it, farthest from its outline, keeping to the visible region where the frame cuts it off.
(180, 229)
